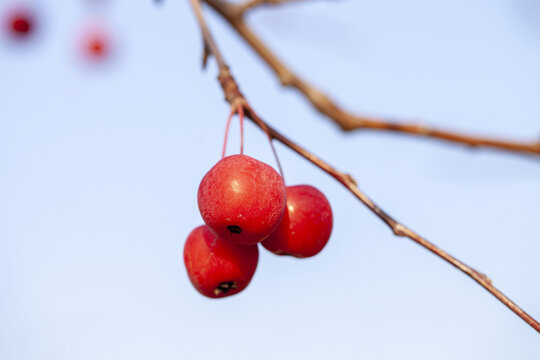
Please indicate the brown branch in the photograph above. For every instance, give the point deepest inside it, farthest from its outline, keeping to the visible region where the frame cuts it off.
(251, 4)
(234, 97)
(346, 120)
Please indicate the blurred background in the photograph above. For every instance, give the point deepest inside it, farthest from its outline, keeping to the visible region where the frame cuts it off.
(107, 125)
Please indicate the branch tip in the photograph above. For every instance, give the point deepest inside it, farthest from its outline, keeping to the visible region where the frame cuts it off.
(205, 56)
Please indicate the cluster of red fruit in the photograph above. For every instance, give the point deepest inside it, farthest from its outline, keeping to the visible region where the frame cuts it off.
(244, 202)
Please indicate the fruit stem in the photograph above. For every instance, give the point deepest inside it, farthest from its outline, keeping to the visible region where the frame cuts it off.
(240, 110)
(241, 118)
(227, 133)
(263, 126)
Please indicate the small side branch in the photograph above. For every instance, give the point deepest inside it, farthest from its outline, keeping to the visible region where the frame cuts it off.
(346, 120)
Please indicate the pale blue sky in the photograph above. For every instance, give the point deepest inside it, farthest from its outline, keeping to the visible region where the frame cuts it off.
(99, 169)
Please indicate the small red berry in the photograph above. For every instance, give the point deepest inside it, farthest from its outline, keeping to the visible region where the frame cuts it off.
(242, 199)
(218, 268)
(20, 23)
(306, 225)
(96, 44)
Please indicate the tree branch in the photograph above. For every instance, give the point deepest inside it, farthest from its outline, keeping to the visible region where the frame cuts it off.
(251, 4)
(234, 14)
(234, 97)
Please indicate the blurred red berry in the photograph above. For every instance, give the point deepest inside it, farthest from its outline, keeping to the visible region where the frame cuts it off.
(97, 46)
(20, 23)
(95, 43)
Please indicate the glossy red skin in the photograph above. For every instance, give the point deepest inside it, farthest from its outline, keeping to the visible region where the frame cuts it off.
(211, 261)
(242, 192)
(306, 225)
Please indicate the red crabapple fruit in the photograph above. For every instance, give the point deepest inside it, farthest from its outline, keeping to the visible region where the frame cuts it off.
(242, 199)
(20, 23)
(306, 225)
(97, 46)
(95, 43)
(218, 268)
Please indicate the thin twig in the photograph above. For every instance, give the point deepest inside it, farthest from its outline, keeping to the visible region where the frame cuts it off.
(346, 120)
(251, 4)
(210, 46)
(234, 97)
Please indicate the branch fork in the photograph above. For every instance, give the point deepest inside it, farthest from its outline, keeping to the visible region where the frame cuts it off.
(234, 14)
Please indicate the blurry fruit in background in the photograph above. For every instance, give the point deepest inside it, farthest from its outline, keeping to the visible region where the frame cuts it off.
(20, 23)
(96, 43)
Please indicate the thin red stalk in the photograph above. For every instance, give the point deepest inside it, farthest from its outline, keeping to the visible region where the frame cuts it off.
(241, 118)
(227, 133)
(263, 126)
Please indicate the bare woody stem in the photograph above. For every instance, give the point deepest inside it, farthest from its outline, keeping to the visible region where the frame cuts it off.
(234, 15)
(251, 4)
(234, 97)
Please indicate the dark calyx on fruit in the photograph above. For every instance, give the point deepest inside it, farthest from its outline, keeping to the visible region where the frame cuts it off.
(225, 287)
(234, 229)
